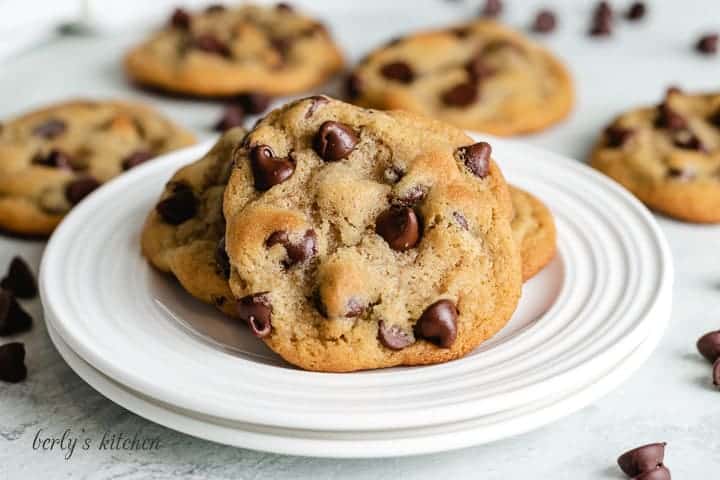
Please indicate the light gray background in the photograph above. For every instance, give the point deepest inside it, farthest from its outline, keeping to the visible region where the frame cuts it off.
(671, 398)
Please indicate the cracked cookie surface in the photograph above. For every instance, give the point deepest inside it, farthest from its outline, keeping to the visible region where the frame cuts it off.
(363, 239)
(479, 76)
(534, 231)
(668, 155)
(225, 51)
(52, 158)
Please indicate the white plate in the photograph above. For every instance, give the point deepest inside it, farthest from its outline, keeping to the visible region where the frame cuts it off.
(365, 444)
(604, 293)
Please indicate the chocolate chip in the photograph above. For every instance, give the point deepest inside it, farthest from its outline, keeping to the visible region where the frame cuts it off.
(460, 95)
(492, 8)
(707, 44)
(50, 128)
(222, 261)
(400, 227)
(476, 158)
(209, 43)
(461, 32)
(297, 252)
(181, 205)
(256, 311)
(687, 140)
(659, 473)
(709, 346)
(642, 459)
(394, 337)
(254, 102)
(136, 158)
(180, 19)
(334, 141)
(461, 220)
(544, 22)
(56, 158)
(233, 116)
(603, 10)
(636, 11)
(12, 362)
(617, 136)
(438, 324)
(13, 319)
(353, 86)
(669, 118)
(601, 27)
(398, 71)
(80, 188)
(215, 8)
(282, 45)
(20, 279)
(355, 308)
(268, 169)
(681, 174)
(315, 102)
(412, 196)
(602, 20)
(284, 7)
(478, 69)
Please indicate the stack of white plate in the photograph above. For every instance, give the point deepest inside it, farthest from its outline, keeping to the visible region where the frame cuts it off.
(583, 326)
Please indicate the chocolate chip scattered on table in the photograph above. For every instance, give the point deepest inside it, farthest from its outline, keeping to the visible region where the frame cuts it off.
(19, 279)
(545, 22)
(645, 462)
(12, 362)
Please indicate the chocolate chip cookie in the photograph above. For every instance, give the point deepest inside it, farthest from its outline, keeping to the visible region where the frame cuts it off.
(363, 239)
(52, 158)
(533, 228)
(225, 51)
(478, 76)
(185, 233)
(668, 155)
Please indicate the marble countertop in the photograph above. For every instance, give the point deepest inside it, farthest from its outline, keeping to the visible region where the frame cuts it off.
(669, 399)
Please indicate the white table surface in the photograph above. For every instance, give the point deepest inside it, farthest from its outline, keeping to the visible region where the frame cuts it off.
(670, 399)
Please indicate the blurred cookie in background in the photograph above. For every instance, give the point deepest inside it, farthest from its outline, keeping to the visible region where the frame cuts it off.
(668, 155)
(226, 51)
(479, 76)
(50, 159)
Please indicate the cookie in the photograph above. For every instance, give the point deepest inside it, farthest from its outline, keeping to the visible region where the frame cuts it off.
(184, 234)
(225, 51)
(51, 158)
(533, 228)
(668, 155)
(478, 76)
(363, 239)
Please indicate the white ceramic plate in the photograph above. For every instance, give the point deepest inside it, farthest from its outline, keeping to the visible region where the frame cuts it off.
(606, 291)
(365, 444)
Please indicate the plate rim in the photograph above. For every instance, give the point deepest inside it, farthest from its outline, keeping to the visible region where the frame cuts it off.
(97, 360)
(328, 448)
